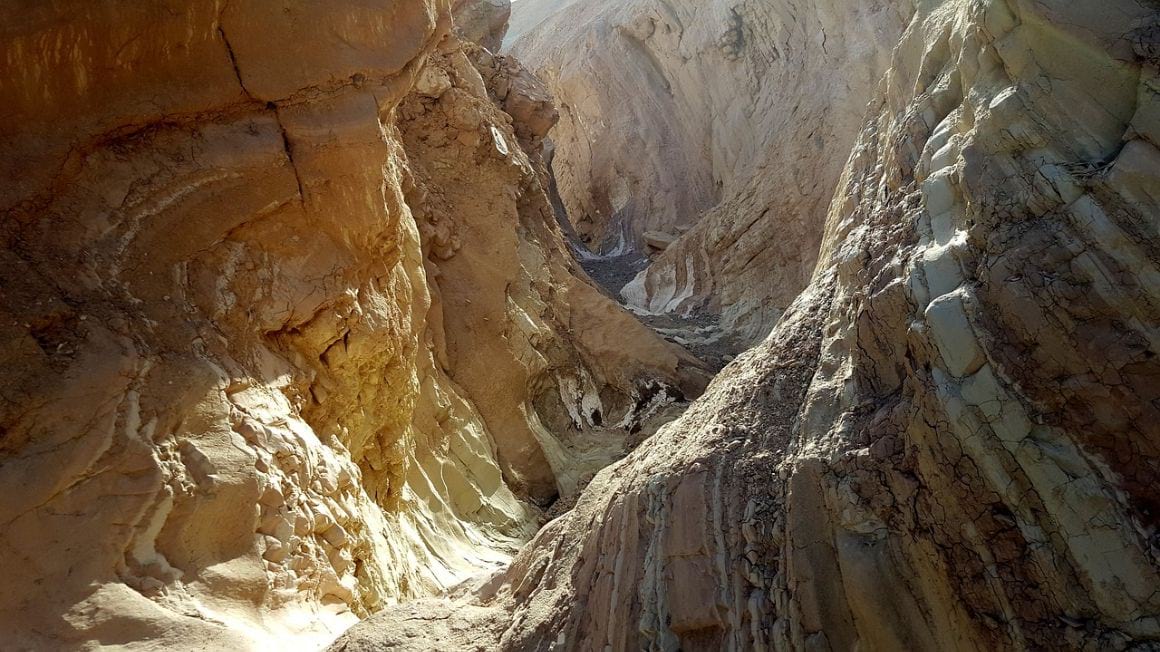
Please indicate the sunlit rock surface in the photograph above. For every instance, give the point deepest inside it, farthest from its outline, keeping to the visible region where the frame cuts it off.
(290, 334)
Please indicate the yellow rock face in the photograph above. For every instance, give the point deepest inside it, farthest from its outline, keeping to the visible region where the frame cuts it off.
(277, 328)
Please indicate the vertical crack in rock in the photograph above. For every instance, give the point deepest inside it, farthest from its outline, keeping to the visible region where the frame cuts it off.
(289, 149)
(233, 58)
(270, 106)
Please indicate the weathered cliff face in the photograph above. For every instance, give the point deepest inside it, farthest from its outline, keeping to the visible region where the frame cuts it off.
(728, 120)
(287, 328)
(529, 16)
(950, 440)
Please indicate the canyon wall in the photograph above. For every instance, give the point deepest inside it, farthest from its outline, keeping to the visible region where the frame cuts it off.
(484, 22)
(726, 121)
(290, 333)
(529, 16)
(950, 440)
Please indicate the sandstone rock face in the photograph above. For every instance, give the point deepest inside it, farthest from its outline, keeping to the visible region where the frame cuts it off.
(290, 333)
(950, 439)
(731, 120)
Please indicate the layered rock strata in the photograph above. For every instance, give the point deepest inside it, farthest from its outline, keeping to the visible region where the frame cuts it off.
(289, 331)
(727, 122)
(950, 439)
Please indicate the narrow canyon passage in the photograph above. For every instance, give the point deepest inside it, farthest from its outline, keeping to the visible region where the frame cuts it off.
(580, 325)
(877, 202)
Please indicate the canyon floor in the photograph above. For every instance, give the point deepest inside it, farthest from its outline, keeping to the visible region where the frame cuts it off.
(700, 334)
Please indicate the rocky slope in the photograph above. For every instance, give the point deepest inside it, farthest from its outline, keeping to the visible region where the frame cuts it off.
(289, 331)
(950, 440)
(728, 120)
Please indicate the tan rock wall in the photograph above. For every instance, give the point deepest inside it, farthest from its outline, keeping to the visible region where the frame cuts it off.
(505, 282)
(244, 399)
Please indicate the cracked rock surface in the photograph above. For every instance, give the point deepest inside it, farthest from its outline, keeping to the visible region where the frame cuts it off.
(950, 438)
(289, 330)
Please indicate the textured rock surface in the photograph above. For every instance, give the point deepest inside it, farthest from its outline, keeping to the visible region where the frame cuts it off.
(526, 16)
(950, 439)
(287, 340)
(542, 354)
(483, 21)
(730, 120)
